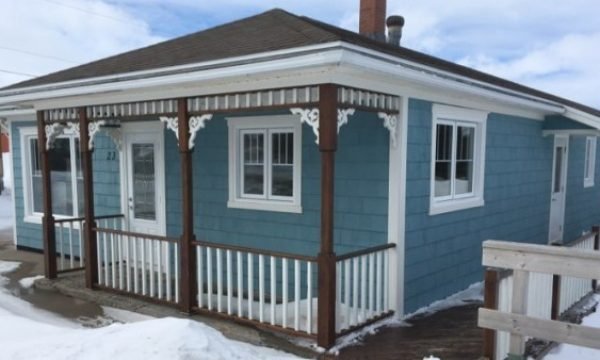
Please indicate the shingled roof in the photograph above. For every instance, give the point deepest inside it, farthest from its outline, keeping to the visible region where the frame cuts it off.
(272, 30)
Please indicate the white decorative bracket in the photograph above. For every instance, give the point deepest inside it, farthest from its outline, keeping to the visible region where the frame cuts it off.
(52, 132)
(93, 128)
(196, 123)
(390, 122)
(172, 124)
(342, 117)
(3, 125)
(310, 117)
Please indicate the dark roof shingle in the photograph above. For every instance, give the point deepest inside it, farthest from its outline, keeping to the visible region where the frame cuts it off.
(272, 30)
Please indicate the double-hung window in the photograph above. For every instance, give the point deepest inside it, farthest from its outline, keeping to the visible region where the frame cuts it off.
(457, 164)
(265, 163)
(66, 176)
(590, 161)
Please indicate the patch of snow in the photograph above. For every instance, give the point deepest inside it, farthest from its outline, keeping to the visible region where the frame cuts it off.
(6, 211)
(31, 333)
(27, 282)
(356, 337)
(568, 351)
(431, 357)
(474, 293)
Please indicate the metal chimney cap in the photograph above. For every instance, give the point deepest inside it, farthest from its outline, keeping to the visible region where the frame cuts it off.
(395, 20)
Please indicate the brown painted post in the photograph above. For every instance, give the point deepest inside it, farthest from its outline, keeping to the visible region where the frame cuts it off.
(596, 230)
(326, 258)
(555, 301)
(187, 255)
(490, 301)
(89, 234)
(48, 218)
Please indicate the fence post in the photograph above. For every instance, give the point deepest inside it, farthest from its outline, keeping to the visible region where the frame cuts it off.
(555, 305)
(490, 301)
(596, 231)
(519, 306)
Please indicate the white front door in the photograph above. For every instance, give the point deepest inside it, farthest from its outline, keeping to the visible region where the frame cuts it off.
(143, 177)
(559, 189)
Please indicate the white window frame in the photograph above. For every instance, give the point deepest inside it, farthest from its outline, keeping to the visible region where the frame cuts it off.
(266, 125)
(589, 166)
(455, 116)
(30, 216)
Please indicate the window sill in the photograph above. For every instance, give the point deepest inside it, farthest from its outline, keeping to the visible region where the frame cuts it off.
(454, 205)
(588, 183)
(32, 219)
(264, 206)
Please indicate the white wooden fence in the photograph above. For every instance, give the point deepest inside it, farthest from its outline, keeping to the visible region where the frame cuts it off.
(267, 287)
(136, 263)
(69, 244)
(523, 307)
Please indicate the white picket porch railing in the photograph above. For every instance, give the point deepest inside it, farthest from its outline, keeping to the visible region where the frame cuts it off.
(69, 244)
(135, 263)
(362, 287)
(267, 287)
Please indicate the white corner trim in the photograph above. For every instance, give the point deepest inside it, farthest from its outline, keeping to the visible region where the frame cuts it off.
(197, 123)
(310, 117)
(390, 122)
(589, 161)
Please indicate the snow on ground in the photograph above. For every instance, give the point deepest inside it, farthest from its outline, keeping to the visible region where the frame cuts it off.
(568, 352)
(6, 211)
(27, 282)
(474, 293)
(30, 333)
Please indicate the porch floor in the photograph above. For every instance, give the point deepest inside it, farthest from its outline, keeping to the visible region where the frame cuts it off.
(448, 334)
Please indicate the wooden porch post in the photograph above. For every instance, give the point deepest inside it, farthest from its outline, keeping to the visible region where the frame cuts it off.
(91, 251)
(187, 255)
(490, 301)
(326, 258)
(48, 218)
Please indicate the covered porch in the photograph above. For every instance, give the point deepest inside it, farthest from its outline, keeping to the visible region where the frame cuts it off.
(320, 294)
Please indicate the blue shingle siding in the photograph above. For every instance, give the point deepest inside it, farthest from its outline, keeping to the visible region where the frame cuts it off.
(582, 209)
(443, 252)
(361, 187)
(106, 185)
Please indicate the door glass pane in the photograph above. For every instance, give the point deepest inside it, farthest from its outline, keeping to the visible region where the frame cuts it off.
(465, 137)
(60, 167)
(253, 167)
(558, 160)
(443, 160)
(144, 197)
(282, 164)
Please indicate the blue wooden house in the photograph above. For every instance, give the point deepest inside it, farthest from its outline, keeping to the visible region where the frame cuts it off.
(291, 174)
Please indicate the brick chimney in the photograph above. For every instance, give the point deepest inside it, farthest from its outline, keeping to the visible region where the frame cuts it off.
(372, 19)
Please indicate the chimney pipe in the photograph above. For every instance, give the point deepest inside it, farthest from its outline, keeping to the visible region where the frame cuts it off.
(394, 24)
(372, 19)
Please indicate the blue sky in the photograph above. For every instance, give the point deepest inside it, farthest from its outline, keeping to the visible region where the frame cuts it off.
(552, 46)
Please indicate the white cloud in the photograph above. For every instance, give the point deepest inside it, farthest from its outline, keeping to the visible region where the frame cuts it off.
(552, 47)
(37, 33)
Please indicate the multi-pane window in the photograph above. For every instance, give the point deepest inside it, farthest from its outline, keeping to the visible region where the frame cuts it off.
(265, 163)
(590, 161)
(66, 176)
(457, 160)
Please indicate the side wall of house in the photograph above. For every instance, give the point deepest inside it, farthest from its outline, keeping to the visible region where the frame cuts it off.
(106, 184)
(443, 252)
(582, 209)
(361, 190)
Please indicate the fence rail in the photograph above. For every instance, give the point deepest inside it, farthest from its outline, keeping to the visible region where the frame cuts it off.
(362, 286)
(70, 245)
(531, 283)
(271, 288)
(135, 263)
